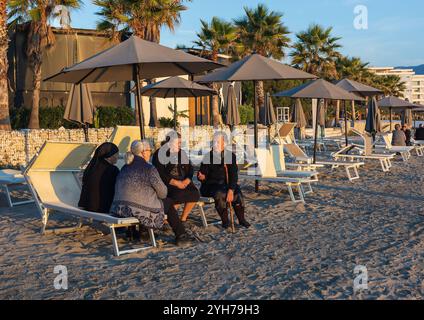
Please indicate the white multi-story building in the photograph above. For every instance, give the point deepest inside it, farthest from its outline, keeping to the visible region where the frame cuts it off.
(414, 83)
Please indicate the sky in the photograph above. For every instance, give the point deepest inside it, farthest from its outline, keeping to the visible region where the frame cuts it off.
(394, 36)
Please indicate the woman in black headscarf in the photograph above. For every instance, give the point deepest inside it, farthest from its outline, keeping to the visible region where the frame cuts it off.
(98, 182)
(176, 171)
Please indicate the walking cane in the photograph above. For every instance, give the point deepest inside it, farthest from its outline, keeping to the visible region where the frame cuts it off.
(233, 230)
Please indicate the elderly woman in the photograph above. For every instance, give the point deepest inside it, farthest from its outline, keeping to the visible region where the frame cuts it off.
(140, 193)
(98, 182)
(176, 171)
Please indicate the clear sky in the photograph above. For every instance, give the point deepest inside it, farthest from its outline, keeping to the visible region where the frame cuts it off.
(395, 34)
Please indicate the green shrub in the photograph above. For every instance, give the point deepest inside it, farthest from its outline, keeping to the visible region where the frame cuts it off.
(246, 114)
(167, 122)
(52, 117)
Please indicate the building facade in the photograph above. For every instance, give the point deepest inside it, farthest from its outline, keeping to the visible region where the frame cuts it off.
(414, 83)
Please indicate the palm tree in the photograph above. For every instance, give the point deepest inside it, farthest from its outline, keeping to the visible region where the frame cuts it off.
(391, 85)
(145, 19)
(316, 51)
(353, 68)
(4, 44)
(35, 15)
(217, 37)
(262, 31)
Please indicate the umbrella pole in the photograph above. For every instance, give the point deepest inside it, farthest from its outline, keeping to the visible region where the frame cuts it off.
(391, 120)
(345, 116)
(316, 134)
(84, 125)
(175, 111)
(255, 127)
(136, 78)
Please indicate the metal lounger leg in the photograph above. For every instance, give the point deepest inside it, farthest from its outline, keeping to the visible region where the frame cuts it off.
(44, 220)
(383, 165)
(355, 174)
(118, 252)
(152, 237)
(292, 197)
(202, 214)
(9, 199)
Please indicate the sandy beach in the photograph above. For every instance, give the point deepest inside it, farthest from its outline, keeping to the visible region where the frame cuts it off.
(291, 252)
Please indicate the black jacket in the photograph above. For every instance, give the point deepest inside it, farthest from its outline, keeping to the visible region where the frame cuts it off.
(419, 134)
(213, 167)
(98, 188)
(172, 170)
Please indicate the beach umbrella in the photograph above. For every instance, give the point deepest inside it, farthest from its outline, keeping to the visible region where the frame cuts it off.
(134, 59)
(319, 89)
(231, 111)
(407, 118)
(298, 115)
(267, 115)
(79, 107)
(256, 68)
(357, 88)
(395, 103)
(373, 124)
(176, 87)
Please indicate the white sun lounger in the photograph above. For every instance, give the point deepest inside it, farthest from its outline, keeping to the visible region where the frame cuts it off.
(9, 178)
(303, 161)
(384, 159)
(52, 178)
(405, 151)
(266, 171)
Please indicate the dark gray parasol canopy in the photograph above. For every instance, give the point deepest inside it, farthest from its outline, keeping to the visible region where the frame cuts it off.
(396, 104)
(231, 114)
(267, 115)
(80, 107)
(134, 59)
(373, 124)
(358, 88)
(319, 89)
(176, 87)
(298, 115)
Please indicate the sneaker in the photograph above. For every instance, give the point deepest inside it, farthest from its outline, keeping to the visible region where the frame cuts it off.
(226, 225)
(183, 240)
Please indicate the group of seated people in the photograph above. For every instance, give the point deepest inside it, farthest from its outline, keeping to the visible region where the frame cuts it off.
(402, 135)
(153, 192)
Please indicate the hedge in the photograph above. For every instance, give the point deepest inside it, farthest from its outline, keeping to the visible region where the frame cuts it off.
(52, 117)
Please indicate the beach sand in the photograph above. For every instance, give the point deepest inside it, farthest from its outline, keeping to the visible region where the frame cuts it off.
(292, 251)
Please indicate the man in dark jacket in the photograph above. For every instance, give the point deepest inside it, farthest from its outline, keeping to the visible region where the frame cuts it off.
(419, 133)
(219, 176)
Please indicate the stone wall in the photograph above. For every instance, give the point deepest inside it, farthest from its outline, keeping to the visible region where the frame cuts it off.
(18, 147)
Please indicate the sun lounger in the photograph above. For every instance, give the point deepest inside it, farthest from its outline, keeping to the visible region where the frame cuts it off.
(303, 161)
(405, 151)
(9, 178)
(266, 172)
(384, 159)
(52, 176)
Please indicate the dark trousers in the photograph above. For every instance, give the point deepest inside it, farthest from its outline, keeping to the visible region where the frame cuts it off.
(219, 193)
(173, 219)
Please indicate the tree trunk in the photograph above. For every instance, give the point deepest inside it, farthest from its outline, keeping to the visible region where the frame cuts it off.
(153, 122)
(260, 94)
(337, 115)
(4, 96)
(34, 122)
(217, 119)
